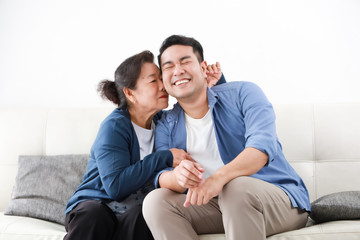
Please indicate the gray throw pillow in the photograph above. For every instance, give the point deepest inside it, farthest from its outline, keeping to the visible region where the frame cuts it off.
(336, 206)
(44, 185)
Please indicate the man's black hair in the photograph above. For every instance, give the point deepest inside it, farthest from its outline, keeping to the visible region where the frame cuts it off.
(182, 40)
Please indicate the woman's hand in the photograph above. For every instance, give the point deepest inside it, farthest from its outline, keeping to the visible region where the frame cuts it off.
(213, 72)
(179, 155)
(189, 174)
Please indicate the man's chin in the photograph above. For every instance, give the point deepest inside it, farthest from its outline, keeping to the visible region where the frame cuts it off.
(182, 97)
(180, 93)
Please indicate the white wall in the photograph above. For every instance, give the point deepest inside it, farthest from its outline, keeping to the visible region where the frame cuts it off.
(53, 53)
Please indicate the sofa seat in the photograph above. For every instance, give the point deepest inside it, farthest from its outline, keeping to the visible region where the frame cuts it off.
(26, 228)
(336, 230)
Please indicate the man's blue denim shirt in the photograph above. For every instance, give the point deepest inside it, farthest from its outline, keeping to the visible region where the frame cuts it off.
(243, 117)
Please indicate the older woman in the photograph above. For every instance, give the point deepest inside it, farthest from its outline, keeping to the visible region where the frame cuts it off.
(122, 164)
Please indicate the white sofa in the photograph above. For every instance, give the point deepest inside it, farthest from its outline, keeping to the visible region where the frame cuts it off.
(321, 141)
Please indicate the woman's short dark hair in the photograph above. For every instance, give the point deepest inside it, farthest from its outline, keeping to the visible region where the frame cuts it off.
(126, 76)
(182, 40)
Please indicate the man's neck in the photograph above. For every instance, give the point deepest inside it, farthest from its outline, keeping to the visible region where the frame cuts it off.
(196, 107)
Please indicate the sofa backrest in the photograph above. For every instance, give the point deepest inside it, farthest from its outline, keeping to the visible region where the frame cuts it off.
(321, 141)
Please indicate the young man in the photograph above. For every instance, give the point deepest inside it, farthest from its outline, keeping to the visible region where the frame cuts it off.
(241, 183)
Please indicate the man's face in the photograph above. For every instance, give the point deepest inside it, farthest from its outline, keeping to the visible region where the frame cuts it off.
(183, 75)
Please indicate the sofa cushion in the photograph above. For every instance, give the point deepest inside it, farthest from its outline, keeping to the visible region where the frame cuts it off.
(336, 206)
(44, 184)
(25, 228)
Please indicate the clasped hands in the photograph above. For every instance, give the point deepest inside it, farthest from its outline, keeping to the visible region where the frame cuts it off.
(189, 175)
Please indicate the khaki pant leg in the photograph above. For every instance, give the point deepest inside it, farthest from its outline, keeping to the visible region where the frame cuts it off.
(168, 219)
(254, 209)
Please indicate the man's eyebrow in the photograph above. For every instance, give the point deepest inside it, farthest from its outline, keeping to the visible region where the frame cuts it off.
(181, 59)
(185, 57)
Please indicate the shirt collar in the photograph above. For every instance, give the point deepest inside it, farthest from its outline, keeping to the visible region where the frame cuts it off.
(178, 112)
(124, 112)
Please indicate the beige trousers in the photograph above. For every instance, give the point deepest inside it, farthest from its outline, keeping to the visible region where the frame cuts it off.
(247, 208)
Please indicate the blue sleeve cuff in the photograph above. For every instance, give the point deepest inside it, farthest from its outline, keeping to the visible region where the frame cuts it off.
(157, 176)
(221, 80)
(270, 154)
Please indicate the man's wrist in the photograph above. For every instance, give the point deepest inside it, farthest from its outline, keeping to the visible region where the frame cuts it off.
(220, 177)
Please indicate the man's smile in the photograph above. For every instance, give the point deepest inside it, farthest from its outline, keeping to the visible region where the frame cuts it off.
(181, 81)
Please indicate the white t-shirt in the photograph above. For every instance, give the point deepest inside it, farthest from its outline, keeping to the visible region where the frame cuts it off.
(145, 138)
(201, 143)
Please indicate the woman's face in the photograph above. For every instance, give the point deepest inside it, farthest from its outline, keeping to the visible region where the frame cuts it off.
(149, 94)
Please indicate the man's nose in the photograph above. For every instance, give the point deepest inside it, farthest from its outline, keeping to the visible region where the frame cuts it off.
(178, 70)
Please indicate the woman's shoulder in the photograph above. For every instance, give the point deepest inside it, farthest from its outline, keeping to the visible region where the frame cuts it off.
(118, 118)
(115, 129)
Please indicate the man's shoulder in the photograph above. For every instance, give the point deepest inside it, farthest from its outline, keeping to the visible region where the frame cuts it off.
(232, 89)
(171, 114)
(234, 86)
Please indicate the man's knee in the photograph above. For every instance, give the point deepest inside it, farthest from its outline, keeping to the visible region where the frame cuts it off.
(240, 185)
(240, 192)
(153, 203)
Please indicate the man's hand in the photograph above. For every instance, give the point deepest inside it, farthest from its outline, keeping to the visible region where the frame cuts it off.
(203, 193)
(213, 72)
(179, 155)
(248, 162)
(189, 174)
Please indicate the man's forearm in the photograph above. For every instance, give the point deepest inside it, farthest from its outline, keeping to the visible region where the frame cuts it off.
(248, 162)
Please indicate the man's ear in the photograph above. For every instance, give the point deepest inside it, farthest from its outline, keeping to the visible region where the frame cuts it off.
(204, 68)
(129, 94)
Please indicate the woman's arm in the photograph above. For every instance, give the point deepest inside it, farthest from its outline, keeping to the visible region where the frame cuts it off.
(214, 75)
(118, 160)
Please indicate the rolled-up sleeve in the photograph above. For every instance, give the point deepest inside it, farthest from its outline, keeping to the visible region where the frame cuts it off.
(259, 119)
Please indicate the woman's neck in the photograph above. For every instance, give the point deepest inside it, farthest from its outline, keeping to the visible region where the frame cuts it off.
(141, 118)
